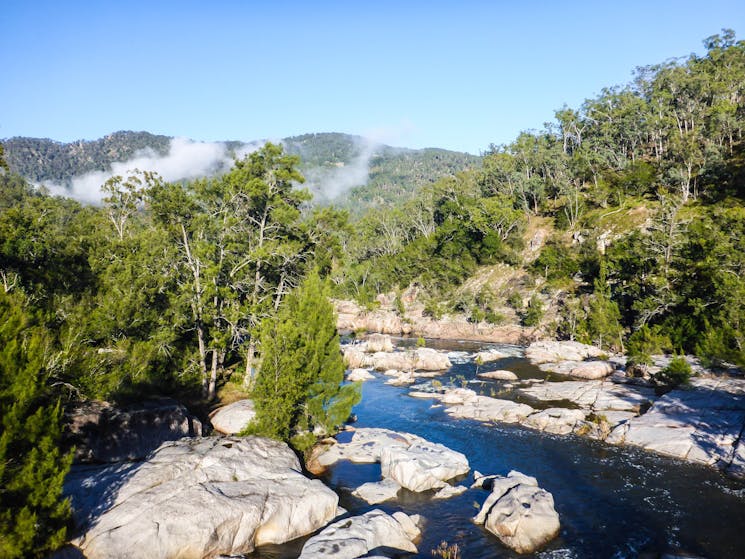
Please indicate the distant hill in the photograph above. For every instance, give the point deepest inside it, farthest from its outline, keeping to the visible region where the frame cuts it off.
(350, 170)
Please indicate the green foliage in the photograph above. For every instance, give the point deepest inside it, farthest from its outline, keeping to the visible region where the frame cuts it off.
(676, 373)
(556, 262)
(421, 342)
(298, 390)
(603, 317)
(645, 342)
(534, 313)
(33, 516)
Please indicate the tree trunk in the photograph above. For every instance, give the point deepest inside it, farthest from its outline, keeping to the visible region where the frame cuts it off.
(248, 379)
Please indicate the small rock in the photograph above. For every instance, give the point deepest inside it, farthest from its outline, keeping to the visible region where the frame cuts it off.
(377, 491)
(450, 491)
(488, 356)
(378, 342)
(499, 375)
(359, 375)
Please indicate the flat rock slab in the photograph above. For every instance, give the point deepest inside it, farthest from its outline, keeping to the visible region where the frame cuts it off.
(233, 418)
(557, 421)
(102, 432)
(366, 446)
(197, 498)
(519, 513)
(358, 535)
(484, 408)
(489, 356)
(554, 352)
(700, 423)
(593, 395)
(411, 461)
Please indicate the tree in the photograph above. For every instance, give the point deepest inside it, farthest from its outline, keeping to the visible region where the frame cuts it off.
(603, 318)
(33, 517)
(241, 249)
(298, 392)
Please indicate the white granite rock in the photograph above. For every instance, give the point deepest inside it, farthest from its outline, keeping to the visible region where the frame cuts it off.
(519, 513)
(553, 352)
(356, 536)
(484, 408)
(376, 492)
(558, 421)
(498, 375)
(236, 494)
(359, 375)
(233, 418)
(488, 356)
(422, 466)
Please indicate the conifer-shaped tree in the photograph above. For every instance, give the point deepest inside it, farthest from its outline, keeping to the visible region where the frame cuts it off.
(298, 392)
(33, 516)
(603, 318)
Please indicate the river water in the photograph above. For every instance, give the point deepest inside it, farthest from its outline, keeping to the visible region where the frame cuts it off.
(613, 502)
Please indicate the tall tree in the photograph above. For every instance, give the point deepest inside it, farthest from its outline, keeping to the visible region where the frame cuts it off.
(298, 390)
(33, 516)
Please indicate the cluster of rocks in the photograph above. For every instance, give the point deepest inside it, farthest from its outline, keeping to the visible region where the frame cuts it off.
(517, 511)
(352, 317)
(406, 461)
(419, 359)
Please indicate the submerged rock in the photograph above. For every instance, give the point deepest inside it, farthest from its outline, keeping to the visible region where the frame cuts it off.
(356, 536)
(519, 513)
(233, 418)
(376, 492)
(197, 498)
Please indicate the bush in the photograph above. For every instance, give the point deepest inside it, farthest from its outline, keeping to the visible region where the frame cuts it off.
(676, 373)
(534, 312)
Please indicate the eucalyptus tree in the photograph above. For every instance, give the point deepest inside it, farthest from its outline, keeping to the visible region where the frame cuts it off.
(241, 248)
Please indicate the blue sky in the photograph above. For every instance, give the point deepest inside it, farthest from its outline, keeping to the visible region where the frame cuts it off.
(458, 75)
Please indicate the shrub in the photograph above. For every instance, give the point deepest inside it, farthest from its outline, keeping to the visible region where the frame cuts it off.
(676, 373)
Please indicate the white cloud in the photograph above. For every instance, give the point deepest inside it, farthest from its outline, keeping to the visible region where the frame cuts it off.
(186, 159)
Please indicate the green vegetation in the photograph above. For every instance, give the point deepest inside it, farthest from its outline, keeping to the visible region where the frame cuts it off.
(676, 373)
(622, 223)
(33, 519)
(298, 394)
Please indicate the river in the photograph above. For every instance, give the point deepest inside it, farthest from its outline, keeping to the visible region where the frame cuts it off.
(613, 502)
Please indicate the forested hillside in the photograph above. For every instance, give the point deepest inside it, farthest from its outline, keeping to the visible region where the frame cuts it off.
(635, 200)
(346, 170)
(621, 223)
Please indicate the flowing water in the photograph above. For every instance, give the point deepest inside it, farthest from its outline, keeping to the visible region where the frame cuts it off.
(613, 502)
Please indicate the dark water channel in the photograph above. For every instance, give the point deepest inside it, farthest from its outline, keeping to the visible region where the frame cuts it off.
(613, 502)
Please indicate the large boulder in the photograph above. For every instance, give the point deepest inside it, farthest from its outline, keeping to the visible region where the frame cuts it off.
(102, 432)
(197, 498)
(359, 535)
(519, 513)
(422, 466)
(558, 421)
(233, 418)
